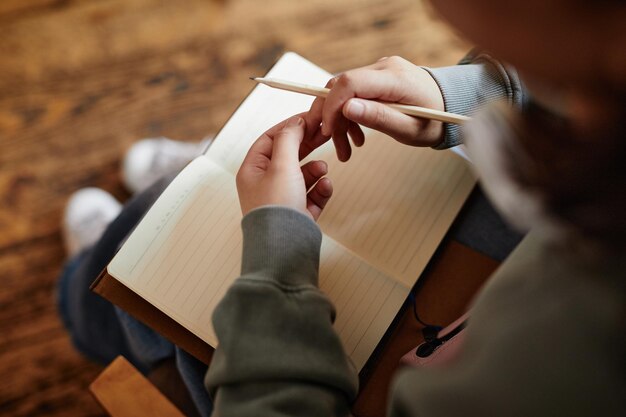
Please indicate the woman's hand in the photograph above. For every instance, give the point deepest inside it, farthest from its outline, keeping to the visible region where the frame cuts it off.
(271, 173)
(391, 79)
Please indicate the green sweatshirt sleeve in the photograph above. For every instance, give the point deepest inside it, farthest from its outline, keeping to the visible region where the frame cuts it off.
(465, 87)
(278, 354)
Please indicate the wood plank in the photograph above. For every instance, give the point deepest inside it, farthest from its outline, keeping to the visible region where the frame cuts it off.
(41, 373)
(179, 85)
(47, 377)
(124, 392)
(16, 9)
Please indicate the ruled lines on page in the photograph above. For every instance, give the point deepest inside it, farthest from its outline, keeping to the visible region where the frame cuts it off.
(264, 108)
(186, 268)
(392, 204)
(366, 300)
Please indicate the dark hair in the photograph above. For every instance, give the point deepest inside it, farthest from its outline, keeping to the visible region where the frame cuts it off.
(581, 177)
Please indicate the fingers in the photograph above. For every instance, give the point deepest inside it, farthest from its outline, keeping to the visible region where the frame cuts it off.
(340, 139)
(342, 145)
(314, 114)
(259, 154)
(271, 172)
(317, 108)
(287, 143)
(356, 133)
(313, 138)
(365, 83)
(278, 127)
(390, 79)
(313, 171)
(308, 145)
(385, 119)
(318, 197)
(320, 190)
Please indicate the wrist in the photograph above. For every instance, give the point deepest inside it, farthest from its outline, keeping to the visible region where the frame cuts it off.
(428, 94)
(281, 243)
(464, 89)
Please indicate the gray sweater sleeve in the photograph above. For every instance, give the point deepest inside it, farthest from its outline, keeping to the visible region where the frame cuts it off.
(278, 354)
(465, 87)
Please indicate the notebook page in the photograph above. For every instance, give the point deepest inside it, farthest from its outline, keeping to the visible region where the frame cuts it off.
(264, 108)
(366, 300)
(186, 252)
(392, 204)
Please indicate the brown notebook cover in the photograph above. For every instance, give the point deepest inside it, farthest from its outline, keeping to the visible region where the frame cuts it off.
(111, 289)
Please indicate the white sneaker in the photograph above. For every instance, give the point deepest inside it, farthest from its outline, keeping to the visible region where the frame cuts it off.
(150, 159)
(87, 214)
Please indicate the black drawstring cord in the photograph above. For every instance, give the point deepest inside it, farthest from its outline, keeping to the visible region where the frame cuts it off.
(430, 330)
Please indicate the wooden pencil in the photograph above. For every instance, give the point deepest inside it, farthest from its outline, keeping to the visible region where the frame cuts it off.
(313, 90)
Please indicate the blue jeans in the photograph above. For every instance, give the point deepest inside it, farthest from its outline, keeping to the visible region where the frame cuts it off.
(100, 330)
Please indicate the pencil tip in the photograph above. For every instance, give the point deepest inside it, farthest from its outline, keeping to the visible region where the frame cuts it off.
(253, 78)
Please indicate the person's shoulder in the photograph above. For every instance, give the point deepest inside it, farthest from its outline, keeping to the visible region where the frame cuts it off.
(545, 337)
(554, 316)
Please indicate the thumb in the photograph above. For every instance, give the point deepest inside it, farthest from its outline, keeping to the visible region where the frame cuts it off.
(383, 118)
(287, 142)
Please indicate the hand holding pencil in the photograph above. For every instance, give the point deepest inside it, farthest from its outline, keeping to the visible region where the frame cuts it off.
(362, 96)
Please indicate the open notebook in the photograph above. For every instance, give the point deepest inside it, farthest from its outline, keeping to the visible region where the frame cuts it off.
(391, 207)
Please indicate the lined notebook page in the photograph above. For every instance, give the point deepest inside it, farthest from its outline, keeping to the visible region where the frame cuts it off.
(264, 108)
(186, 252)
(392, 204)
(366, 300)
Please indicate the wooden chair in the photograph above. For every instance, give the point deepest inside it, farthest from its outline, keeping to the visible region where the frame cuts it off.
(124, 392)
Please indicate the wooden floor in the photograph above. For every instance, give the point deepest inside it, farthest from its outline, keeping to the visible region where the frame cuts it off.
(80, 80)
